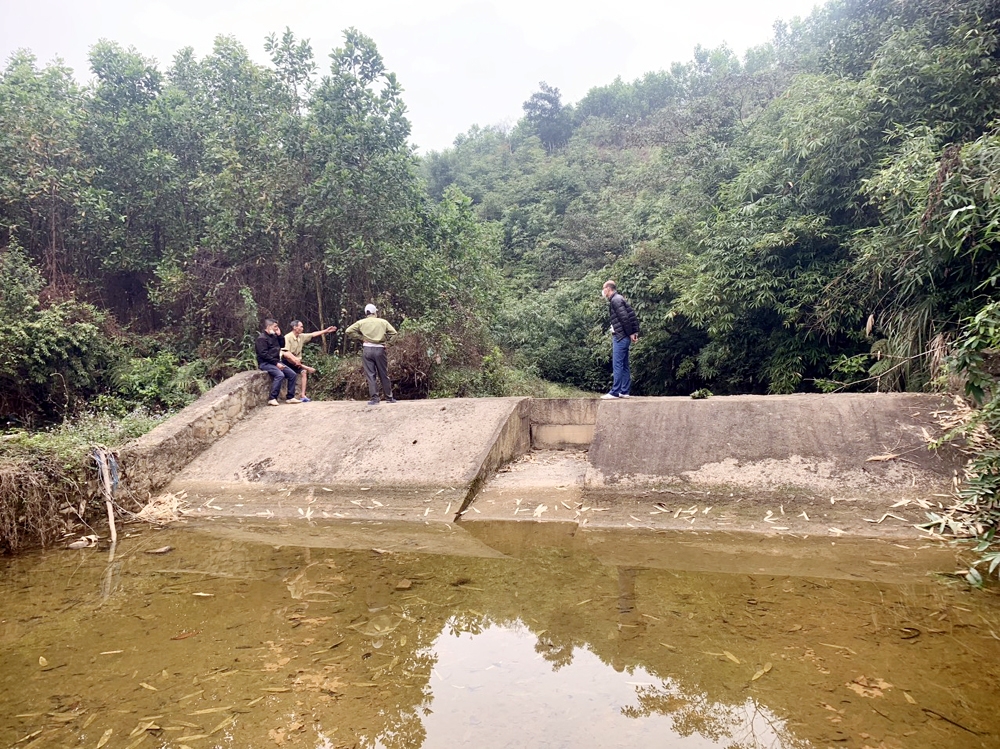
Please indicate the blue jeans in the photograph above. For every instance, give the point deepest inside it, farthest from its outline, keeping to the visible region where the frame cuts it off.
(622, 381)
(277, 377)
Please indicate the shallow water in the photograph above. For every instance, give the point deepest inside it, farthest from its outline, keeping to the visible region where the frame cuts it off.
(375, 635)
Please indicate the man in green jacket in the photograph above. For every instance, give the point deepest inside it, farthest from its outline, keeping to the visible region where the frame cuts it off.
(374, 333)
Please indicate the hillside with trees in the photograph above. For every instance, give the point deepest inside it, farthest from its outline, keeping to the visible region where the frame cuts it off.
(816, 215)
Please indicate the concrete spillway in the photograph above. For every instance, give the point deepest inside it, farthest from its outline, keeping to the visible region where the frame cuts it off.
(434, 459)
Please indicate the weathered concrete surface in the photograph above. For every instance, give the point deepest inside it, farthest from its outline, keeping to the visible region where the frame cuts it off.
(562, 423)
(778, 465)
(151, 461)
(348, 459)
(859, 444)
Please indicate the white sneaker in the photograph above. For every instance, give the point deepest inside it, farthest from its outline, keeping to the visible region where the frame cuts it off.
(624, 395)
(609, 397)
(273, 402)
(293, 400)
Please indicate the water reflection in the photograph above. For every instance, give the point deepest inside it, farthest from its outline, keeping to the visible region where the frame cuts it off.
(498, 688)
(388, 636)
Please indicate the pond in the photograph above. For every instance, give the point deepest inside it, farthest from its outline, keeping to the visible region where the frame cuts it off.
(493, 635)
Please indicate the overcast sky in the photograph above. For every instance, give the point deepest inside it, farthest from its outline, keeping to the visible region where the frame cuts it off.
(460, 63)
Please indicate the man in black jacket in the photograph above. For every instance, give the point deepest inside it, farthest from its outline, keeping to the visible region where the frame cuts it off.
(268, 347)
(625, 331)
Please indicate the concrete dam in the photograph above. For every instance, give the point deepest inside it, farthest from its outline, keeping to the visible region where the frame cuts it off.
(792, 463)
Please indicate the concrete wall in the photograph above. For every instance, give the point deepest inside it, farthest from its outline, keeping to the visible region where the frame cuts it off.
(150, 462)
(562, 423)
(511, 440)
(819, 441)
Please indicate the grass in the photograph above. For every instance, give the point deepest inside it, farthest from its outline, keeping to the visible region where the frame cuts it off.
(47, 476)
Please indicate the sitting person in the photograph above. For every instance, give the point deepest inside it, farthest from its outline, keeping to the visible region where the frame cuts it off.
(268, 349)
(292, 353)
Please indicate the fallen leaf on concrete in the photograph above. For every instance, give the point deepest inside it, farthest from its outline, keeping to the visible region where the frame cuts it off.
(539, 510)
(836, 531)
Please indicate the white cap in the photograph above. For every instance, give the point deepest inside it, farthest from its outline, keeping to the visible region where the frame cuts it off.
(370, 309)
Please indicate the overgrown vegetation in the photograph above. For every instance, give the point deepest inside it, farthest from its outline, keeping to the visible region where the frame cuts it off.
(48, 477)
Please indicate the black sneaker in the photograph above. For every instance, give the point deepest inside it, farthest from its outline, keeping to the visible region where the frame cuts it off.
(373, 402)
(390, 399)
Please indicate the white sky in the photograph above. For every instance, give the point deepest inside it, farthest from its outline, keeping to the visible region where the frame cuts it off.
(460, 63)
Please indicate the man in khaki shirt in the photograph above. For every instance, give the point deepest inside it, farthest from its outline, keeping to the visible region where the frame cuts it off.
(292, 351)
(374, 333)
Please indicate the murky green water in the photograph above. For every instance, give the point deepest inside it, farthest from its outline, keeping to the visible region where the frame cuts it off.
(386, 636)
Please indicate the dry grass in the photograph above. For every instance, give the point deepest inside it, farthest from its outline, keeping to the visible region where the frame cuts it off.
(163, 509)
(37, 501)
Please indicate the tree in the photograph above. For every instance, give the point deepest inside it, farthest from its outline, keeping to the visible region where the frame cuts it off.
(546, 117)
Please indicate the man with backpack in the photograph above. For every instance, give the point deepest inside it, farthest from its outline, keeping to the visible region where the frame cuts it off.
(625, 332)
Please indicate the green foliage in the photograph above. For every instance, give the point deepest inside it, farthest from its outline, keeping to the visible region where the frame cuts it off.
(160, 382)
(52, 360)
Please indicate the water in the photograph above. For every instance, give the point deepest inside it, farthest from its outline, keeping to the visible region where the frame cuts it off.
(378, 635)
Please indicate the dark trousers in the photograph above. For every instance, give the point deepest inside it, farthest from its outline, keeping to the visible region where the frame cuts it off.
(374, 361)
(622, 381)
(278, 376)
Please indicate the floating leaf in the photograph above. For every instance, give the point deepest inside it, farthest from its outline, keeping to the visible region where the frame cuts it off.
(138, 741)
(223, 724)
(731, 657)
(150, 687)
(757, 675)
(909, 698)
(105, 738)
(42, 662)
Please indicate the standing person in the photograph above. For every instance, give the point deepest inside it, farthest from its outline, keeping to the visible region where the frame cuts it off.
(374, 333)
(625, 331)
(268, 348)
(292, 352)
